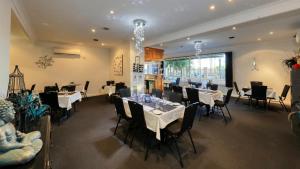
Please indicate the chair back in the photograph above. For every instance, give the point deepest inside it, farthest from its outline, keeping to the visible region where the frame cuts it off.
(86, 86)
(177, 89)
(256, 83)
(157, 93)
(50, 89)
(175, 97)
(237, 90)
(214, 87)
(69, 88)
(189, 116)
(285, 91)
(259, 92)
(119, 86)
(57, 88)
(177, 81)
(119, 106)
(32, 87)
(125, 92)
(137, 113)
(228, 96)
(51, 99)
(193, 95)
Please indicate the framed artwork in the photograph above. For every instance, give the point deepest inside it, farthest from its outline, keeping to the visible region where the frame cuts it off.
(118, 65)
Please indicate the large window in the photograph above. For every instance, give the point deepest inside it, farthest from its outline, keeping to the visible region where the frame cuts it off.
(198, 69)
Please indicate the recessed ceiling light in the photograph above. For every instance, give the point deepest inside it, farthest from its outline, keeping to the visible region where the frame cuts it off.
(93, 30)
(102, 44)
(212, 7)
(188, 38)
(132, 38)
(258, 39)
(106, 28)
(271, 33)
(112, 12)
(230, 0)
(234, 28)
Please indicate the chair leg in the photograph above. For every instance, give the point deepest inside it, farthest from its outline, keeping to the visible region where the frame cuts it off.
(125, 139)
(228, 112)
(223, 115)
(238, 99)
(192, 141)
(134, 132)
(177, 149)
(117, 125)
(283, 105)
(147, 145)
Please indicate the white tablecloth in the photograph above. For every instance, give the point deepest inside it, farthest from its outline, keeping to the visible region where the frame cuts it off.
(65, 101)
(156, 122)
(270, 93)
(207, 96)
(109, 90)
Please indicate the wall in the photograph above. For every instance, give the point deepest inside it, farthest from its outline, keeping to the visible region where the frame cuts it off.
(93, 64)
(122, 49)
(5, 19)
(269, 56)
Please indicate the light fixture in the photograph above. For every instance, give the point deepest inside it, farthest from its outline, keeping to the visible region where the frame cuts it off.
(198, 47)
(93, 30)
(139, 35)
(112, 12)
(188, 38)
(271, 33)
(258, 39)
(230, 0)
(102, 44)
(212, 7)
(234, 28)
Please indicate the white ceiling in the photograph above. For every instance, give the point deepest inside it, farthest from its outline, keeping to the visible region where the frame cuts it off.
(70, 21)
(283, 26)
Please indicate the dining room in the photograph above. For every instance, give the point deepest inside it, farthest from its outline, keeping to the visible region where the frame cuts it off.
(149, 84)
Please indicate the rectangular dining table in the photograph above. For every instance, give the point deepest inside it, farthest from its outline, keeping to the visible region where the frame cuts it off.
(155, 118)
(65, 100)
(207, 96)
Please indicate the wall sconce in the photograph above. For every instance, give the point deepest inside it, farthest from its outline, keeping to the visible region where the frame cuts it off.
(254, 65)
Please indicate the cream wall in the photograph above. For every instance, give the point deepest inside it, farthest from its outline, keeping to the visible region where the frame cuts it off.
(93, 65)
(5, 19)
(122, 49)
(269, 56)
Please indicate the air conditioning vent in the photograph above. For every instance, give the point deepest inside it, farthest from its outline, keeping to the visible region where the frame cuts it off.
(59, 51)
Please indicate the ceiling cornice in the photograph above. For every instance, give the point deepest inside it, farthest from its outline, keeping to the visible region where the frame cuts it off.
(21, 14)
(276, 8)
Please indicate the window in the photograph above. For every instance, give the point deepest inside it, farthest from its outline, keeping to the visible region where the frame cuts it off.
(198, 69)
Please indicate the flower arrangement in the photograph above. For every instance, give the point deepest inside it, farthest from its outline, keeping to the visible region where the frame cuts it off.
(292, 62)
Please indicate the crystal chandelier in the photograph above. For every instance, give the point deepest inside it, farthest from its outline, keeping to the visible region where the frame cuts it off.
(139, 35)
(198, 47)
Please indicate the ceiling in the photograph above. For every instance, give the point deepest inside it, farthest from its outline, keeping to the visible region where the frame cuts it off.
(71, 21)
(271, 28)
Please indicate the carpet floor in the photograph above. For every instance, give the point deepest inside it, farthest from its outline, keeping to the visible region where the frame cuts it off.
(255, 139)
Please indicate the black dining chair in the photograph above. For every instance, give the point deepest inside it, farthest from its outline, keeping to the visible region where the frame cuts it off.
(221, 104)
(214, 87)
(125, 92)
(51, 99)
(57, 88)
(259, 93)
(192, 95)
(175, 97)
(120, 110)
(69, 88)
(177, 89)
(86, 86)
(282, 97)
(175, 130)
(157, 93)
(139, 123)
(50, 89)
(238, 92)
(256, 83)
(177, 82)
(119, 86)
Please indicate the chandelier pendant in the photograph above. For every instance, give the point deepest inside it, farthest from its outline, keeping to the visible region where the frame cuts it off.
(198, 47)
(139, 35)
